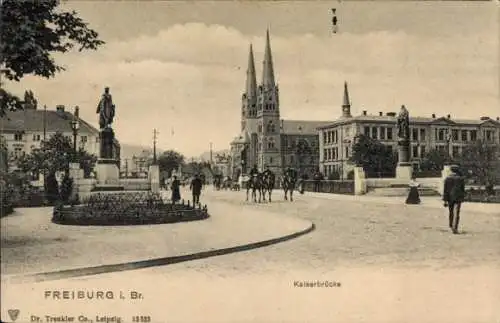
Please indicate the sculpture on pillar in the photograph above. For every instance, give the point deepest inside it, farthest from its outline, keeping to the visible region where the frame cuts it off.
(106, 110)
(403, 124)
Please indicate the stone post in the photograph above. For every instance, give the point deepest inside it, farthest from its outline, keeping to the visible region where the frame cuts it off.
(404, 169)
(359, 181)
(154, 178)
(75, 173)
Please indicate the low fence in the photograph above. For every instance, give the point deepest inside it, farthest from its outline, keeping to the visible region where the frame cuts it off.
(330, 186)
(135, 184)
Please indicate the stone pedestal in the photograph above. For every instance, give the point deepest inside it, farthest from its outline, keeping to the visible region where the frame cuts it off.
(359, 181)
(108, 174)
(106, 137)
(154, 178)
(75, 173)
(404, 172)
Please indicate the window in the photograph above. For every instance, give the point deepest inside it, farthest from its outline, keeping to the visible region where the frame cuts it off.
(18, 136)
(291, 159)
(389, 133)
(367, 131)
(259, 128)
(473, 135)
(464, 135)
(270, 160)
(414, 134)
(36, 137)
(414, 151)
(347, 152)
(84, 139)
(325, 137)
(18, 152)
(270, 144)
(456, 151)
(454, 134)
(329, 136)
(489, 135)
(422, 151)
(422, 134)
(441, 134)
(374, 133)
(325, 155)
(382, 132)
(335, 136)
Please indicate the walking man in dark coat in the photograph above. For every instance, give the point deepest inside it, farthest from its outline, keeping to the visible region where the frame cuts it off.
(195, 187)
(453, 196)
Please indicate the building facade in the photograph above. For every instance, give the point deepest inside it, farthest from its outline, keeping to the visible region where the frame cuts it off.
(24, 130)
(426, 134)
(266, 140)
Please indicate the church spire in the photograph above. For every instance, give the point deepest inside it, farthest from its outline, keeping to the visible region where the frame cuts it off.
(251, 85)
(268, 70)
(346, 105)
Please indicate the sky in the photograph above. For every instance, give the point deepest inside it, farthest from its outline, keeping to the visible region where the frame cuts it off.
(180, 67)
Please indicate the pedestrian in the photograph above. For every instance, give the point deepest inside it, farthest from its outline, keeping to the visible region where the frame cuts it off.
(175, 187)
(413, 196)
(195, 187)
(453, 196)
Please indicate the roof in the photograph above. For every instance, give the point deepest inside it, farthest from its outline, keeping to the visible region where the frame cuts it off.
(302, 127)
(423, 120)
(32, 120)
(243, 138)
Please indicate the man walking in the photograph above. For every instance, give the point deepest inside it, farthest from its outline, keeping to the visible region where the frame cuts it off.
(195, 187)
(453, 196)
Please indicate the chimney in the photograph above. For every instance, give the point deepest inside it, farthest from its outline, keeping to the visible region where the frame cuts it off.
(60, 108)
(498, 118)
(77, 112)
(449, 116)
(380, 113)
(281, 126)
(433, 116)
(364, 112)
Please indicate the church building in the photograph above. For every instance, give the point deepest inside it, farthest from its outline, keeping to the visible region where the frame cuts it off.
(266, 140)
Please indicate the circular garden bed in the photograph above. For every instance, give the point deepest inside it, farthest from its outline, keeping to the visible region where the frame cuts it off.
(126, 209)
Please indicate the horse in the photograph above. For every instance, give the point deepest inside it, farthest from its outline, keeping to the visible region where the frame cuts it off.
(255, 184)
(288, 182)
(268, 182)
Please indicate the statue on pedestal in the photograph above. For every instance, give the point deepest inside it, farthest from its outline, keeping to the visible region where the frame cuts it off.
(403, 124)
(106, 110)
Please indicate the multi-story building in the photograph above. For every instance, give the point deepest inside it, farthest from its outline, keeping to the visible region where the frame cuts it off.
(24, 130)
(266, 139)
(426, 133)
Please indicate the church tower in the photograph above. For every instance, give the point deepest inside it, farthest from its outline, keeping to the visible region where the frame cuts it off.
(346, 104)
(268, 127)
(249, 97)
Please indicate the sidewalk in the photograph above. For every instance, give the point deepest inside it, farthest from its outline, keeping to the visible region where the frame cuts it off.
(31, 243)
(427, 201)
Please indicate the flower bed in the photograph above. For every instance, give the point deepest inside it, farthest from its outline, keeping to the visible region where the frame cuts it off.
(126, 209)
(480, 195)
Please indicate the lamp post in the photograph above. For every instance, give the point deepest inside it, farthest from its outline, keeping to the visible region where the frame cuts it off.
(75, 126)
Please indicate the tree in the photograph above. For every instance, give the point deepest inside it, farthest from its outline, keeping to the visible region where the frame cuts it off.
(435, 160)
(482, 161)
(31, 32)
(55, 155)
(373, 156)
(170, 160)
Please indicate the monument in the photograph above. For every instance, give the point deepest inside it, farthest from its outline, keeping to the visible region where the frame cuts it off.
(108, 173)
(404, 168)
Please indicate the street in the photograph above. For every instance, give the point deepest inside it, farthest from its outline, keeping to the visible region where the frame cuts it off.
(366, 261)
